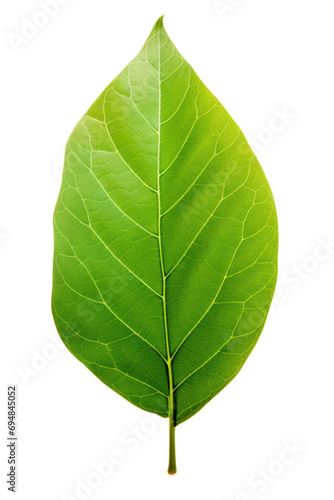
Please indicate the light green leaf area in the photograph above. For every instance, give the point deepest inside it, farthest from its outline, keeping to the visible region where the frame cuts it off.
(166, 239)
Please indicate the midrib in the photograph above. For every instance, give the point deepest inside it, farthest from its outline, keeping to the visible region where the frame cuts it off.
(163, 275)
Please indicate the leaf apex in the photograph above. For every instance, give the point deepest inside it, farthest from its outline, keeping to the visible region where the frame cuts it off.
(160, 23)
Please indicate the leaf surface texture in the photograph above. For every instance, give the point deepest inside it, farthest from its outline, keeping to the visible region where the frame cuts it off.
(166, 239)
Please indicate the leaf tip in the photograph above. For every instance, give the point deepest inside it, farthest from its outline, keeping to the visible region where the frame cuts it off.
(160, 23)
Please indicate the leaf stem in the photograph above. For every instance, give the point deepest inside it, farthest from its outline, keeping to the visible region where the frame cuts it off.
(172, 457)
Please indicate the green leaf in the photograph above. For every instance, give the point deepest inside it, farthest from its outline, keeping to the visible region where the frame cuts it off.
(166, 239)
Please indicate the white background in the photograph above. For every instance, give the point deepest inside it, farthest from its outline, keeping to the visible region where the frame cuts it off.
(261, 59)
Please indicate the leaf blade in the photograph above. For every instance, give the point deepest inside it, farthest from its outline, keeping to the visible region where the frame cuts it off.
(166, 233)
